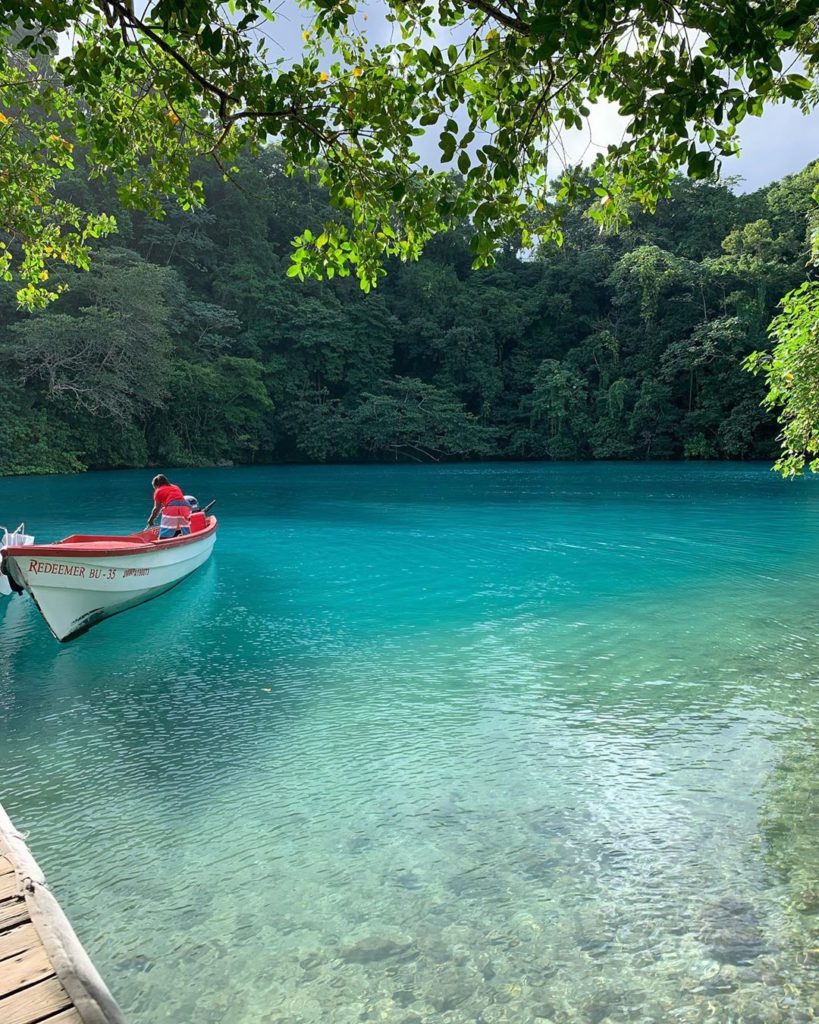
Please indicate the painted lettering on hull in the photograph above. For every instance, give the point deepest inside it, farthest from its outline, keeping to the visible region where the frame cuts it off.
(103, 574)
(40, 567)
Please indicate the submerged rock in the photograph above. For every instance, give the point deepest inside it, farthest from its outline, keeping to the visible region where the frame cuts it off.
(404, 997)
(310, 961)
(358, 843)
(716, 986)
(435, 952)
(539, 869)
(140, 962)
(488, 971)
(732, 932)
(408, 880)
(373, 949)
(449, 996)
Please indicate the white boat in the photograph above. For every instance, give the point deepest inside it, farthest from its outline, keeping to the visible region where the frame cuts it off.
(82, 580)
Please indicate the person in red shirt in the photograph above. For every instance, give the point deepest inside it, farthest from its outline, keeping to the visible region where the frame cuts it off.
(171, 507)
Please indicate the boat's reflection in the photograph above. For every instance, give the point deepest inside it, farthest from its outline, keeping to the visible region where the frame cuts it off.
(18, 620)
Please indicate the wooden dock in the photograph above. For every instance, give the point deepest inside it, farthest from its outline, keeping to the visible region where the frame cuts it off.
(46, 976)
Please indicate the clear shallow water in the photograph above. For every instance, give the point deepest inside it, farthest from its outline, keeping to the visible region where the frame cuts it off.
(450, 744)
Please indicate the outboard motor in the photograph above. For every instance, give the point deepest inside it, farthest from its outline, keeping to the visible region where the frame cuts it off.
(198, 521)
(14, 539)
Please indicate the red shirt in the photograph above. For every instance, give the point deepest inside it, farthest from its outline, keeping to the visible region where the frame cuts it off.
(170, 492)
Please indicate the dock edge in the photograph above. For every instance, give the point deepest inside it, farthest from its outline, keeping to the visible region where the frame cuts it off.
(72, 965)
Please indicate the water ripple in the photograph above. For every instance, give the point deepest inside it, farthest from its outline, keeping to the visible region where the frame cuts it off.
(492, 743)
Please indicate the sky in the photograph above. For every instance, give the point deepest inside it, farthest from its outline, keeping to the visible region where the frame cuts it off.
(780, 142)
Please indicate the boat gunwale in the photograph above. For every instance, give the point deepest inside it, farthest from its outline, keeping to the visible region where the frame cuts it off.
(127, 546)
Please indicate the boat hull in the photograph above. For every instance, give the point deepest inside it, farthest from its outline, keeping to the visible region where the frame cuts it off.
(76, 585)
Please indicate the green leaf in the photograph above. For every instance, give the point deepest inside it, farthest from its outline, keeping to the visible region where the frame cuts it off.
(700, 165)
(447, 145)
(800, 82)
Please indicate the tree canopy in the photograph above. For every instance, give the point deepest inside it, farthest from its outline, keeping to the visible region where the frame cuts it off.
(144, 93)
(186, 344)
(792, 369)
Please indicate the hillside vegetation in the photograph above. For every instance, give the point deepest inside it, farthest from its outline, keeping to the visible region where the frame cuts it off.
(187, 343)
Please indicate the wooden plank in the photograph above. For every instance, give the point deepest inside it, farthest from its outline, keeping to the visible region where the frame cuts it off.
(17, 940)
(34, 1003)
(23, 970)
(66, 1017)
(6, 867)
(13, 912)
(8, 886)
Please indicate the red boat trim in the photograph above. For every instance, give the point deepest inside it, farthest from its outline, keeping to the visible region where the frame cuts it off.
(101, 546)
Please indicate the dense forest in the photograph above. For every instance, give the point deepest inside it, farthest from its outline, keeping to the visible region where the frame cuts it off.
(187, 343)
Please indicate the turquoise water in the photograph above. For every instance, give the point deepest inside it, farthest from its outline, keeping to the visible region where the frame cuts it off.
(450, 744)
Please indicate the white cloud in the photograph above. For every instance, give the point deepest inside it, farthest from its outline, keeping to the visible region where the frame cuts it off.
(780, 142)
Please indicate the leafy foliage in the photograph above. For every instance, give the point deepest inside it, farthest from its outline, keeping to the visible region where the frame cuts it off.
(419, 421)
(792, 370)
(145, 94)
(112, 356)
(187, 344)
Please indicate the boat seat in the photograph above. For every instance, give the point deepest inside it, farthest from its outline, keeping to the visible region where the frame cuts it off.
(103, 540)
(91, 544)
